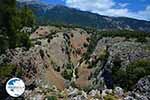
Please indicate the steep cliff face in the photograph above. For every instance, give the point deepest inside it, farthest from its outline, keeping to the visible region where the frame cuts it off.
(53, 49)
(60, 57)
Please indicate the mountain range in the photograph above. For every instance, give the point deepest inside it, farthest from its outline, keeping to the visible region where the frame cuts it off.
(60, 14)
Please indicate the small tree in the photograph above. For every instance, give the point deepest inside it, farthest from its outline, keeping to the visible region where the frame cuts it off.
(12, 21)
(141, 39)
(68, 72)
(27, 16)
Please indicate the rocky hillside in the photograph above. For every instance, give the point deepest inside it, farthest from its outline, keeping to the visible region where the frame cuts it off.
(58, 14)
(80, 64)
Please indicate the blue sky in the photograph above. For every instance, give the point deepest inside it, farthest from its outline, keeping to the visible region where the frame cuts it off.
(54, 1)
(139, 9)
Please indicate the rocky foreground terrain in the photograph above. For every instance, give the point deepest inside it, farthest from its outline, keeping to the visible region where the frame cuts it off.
(59, 66)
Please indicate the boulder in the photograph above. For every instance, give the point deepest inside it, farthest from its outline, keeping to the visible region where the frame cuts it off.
(129, 98)
(94, 92)
(73, 93)
(119, 91)
(142, 88)
(106, 92)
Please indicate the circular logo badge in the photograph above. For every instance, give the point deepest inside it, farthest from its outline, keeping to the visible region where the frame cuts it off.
(15, 87)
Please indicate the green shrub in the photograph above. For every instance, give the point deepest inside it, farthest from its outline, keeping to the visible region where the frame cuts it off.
(123, 33)
(73, 84)
(85, 45)
(55, 66)
(141, 39)
(69, 66)
(103, 55)
(38, 43)
(110, 97)
(24, 40)
(42, 53)
(67, 74)
(87, 88)
(117, 61)
(6, 70)
(9, 70)
(137, 70)
(120, 77)
(51, 98)
(129, 77)
(4, 44)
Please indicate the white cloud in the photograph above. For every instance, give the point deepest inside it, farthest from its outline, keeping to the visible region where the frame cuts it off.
(26, 0)
(90, 4)
(123, 4)
(107, 7)
(145, 13)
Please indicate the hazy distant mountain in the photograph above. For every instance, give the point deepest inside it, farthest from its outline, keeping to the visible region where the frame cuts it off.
(46, 13)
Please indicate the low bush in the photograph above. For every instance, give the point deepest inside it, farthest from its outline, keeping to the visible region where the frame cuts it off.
(134, 71)
(110, 97)
(10, 70)
(51, 98)
(124, 33)
(68, 72)
(42, 53)
(141, 39)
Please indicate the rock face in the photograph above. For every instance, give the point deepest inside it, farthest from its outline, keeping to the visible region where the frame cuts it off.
(119, 50)
(44, 63)
(142, 88)
(54, 48)
(127, 51)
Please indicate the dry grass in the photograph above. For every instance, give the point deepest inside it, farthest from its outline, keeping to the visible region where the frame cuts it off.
(83, 73)
(55, 78)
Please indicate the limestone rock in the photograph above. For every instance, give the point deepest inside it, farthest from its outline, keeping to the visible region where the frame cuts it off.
(119, 91)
